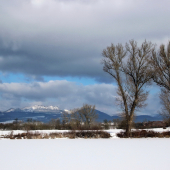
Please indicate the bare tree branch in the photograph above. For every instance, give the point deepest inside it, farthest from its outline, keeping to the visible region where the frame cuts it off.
(130, 68)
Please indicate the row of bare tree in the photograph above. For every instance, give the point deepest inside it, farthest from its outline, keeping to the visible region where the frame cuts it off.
(135, 67)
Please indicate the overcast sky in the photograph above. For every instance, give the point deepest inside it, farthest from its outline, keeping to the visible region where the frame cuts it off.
(50, 50)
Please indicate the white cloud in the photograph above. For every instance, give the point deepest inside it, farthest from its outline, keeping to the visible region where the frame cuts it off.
(66, 95)
(63, 93)
(66, 38)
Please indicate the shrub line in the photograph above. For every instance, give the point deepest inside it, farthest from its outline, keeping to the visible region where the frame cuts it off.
(145, 134)
(54, 135)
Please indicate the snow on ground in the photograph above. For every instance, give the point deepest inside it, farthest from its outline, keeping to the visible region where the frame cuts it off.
(83, 154)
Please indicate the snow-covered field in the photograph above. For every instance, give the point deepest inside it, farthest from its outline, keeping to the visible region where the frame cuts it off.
(83, 154)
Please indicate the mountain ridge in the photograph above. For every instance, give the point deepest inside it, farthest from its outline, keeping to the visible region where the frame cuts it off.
(46, 113)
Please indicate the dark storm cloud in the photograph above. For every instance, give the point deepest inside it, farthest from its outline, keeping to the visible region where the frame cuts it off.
(42, 59)
(66, 38)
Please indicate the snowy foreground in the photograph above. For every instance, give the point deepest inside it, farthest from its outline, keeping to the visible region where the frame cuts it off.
(83, 154)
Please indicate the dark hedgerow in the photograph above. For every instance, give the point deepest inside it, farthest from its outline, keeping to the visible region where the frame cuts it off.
(144, 134)
(71, 135)
(88, 134)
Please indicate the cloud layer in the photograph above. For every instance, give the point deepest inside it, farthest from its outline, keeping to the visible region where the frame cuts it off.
(62, 93)
(66, 95)
(66, 38)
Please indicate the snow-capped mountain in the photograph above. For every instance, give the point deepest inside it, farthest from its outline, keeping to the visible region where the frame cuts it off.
(37, 109)
(36, 112)
(40, 108)
(10, 110)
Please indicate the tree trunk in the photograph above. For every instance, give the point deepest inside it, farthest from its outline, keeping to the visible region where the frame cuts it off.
(129, 126)
(128, 130)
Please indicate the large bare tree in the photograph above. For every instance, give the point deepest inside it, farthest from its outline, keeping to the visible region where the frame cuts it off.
(160, 62)
(130, 68)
